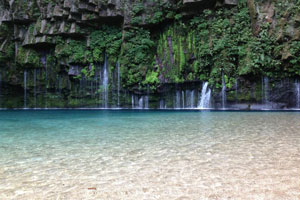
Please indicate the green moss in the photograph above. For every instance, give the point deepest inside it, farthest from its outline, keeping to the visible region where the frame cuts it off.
(106, 40)
(28, 57)
(136, 56)
(151, 78)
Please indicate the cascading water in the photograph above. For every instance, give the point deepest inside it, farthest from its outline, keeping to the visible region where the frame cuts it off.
(80, 91)
(91, 89)
(44, 63)
(16, 46)
(182, 94)
(25, 89)
(99, 84)
(297, 93)
(161, 104)
(105, 82)
(192, 99)
(146, 102)
(146, 98)
(177, 102)
(132, 101)
(189, 97)
(141, 102)
(59, 85)
(265, 90)
(236, 91)
(34, 87)
(205, 97)
(119, 82)
(223, 94)
(38, 75)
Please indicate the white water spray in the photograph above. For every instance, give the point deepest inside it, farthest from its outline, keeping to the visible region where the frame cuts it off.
(205, 97)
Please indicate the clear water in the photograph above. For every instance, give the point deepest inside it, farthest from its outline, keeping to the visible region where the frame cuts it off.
(90, 154)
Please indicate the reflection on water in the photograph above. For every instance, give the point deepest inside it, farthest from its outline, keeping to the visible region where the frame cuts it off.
(149, 155)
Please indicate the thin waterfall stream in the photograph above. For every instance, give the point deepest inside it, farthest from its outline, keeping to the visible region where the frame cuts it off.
(205, 97)
(141, 102)
(182, 96)
(105, 82)
(223, 94)
(297, 93)
(192, 99)
(265, 91)
(119, 83)
(132, 101)
(25, 89)
(177, 99)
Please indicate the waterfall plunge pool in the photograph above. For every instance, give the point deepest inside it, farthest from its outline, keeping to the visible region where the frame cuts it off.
(130, 154)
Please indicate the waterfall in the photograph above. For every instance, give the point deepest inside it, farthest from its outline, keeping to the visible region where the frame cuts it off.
(80, 86)
(146, 98)
(146, 102)
(205, 97)
(182, 94)
(161, 104)
(236, 90)
(297, 92)
(189, 95)
(177, 102)
(43, 60)
(92, 92)
(38, 81)
(34, 87)
(141, 102)
(265, 90)
(25, 89)
(132, 101)
(44, 63)
(16, 48)
(192, 98)
(223, 94)
(105, 82)
(188, 98)
(119, 82)
(99, 86)
(59, 85)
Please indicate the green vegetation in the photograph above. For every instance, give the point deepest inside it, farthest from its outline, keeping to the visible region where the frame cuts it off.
(104, 41)
(157, 43)
(136, 56)
(223, 39)
(28, 57)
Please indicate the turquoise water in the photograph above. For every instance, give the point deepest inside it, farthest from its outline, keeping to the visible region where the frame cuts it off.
(102, 154)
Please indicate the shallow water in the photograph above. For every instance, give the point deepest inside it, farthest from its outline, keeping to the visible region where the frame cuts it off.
(86, 154)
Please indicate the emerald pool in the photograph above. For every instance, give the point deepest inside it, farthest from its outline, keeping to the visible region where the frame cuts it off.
(124, 154)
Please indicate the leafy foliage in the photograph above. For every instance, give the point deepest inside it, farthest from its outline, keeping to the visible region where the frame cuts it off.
(136, 56)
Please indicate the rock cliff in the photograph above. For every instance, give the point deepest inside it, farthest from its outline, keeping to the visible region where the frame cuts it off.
(55, 52)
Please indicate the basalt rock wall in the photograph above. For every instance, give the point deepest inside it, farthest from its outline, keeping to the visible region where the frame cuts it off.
(123, 53)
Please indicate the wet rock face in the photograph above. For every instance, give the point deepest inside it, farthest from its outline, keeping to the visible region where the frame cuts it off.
(55, 28)
(37, 22)
(231, 2)
(74, 71)
(65, 17)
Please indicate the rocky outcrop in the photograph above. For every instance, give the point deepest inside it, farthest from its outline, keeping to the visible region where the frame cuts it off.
(37, 21)
(61, 46)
